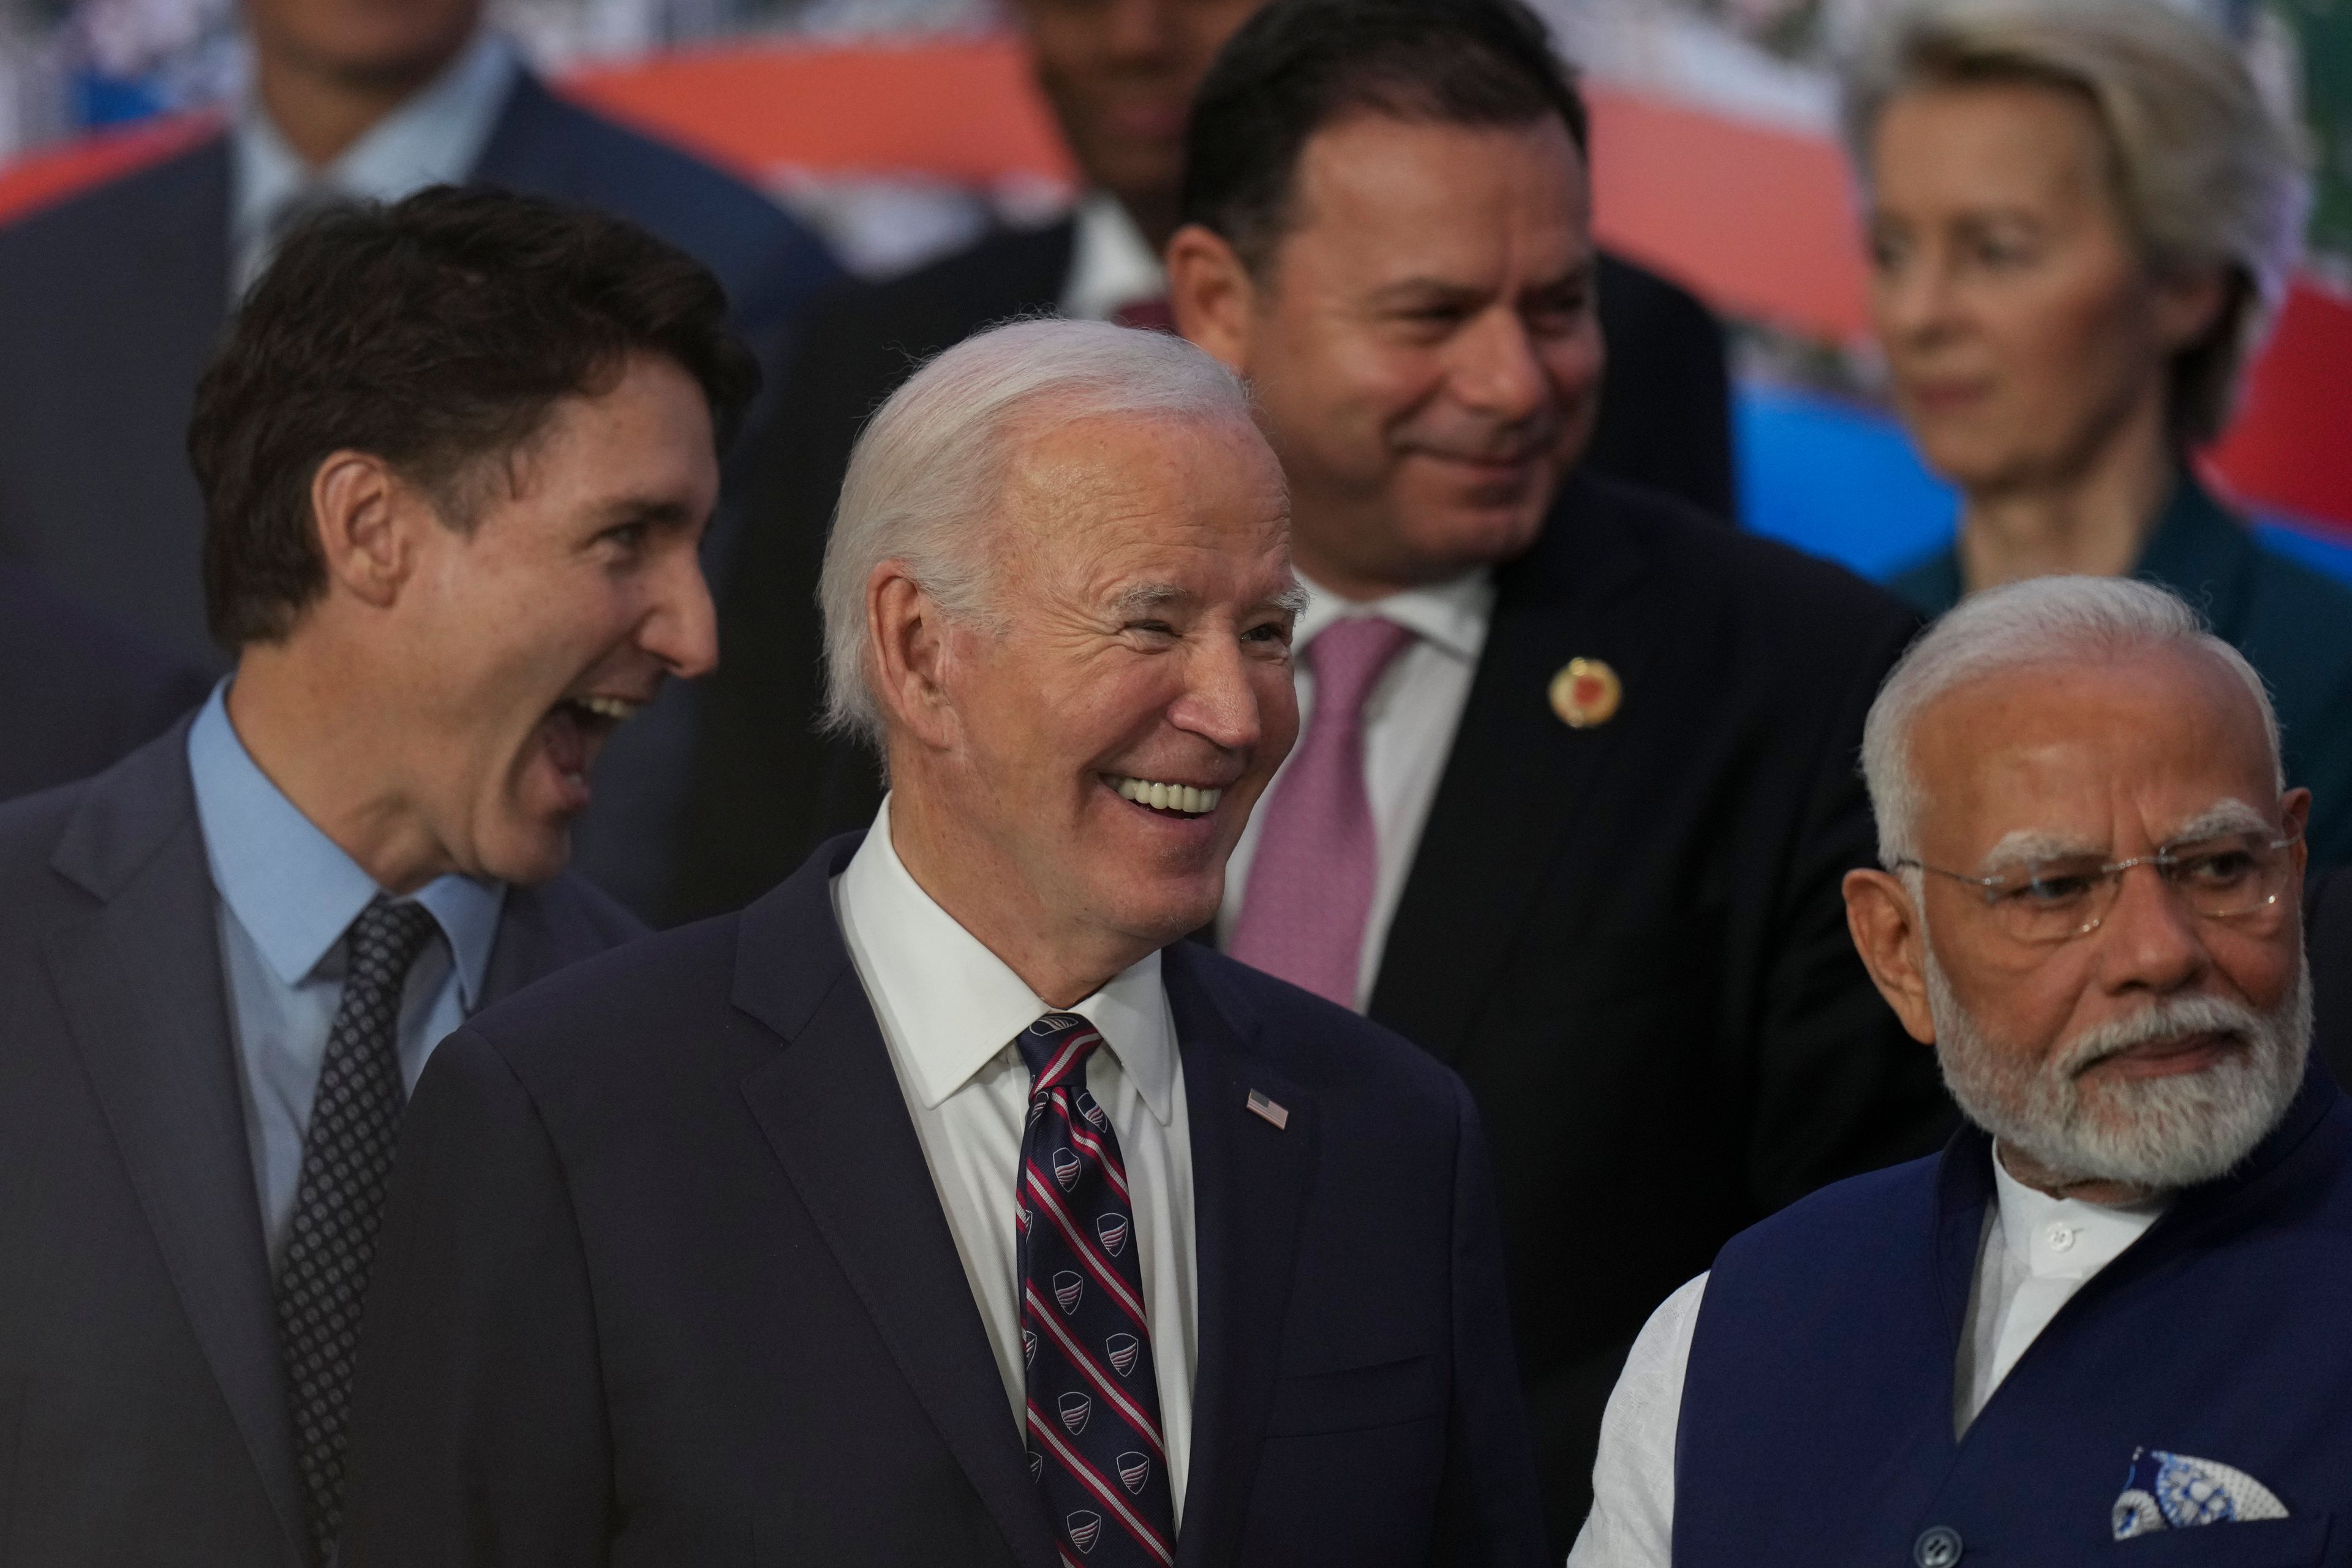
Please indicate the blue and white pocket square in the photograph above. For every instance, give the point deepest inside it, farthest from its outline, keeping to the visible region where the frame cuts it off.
(2173, 1491)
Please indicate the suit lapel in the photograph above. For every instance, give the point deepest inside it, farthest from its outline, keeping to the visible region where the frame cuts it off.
(831, 1108)
(1514, 761)
(1250, 1180)
(140, 985)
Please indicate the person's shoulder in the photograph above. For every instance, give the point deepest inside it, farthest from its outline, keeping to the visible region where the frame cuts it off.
(549, 143)
(1006, 273)
(128, 206)
(1746, 581)
(1824, 1222)
(1345, 1058)
(2298, 613)
(599, 919)
(75, 845)
(608, 1018)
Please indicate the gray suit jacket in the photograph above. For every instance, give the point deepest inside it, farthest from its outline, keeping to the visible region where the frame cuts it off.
(143, 1411)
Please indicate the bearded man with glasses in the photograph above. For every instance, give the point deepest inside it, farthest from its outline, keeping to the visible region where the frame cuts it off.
(2113, 1306)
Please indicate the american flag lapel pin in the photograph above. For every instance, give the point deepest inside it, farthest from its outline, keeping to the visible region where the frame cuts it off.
(1269, 1109)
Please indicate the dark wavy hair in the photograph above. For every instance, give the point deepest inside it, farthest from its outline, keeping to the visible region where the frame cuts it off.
(435, 333)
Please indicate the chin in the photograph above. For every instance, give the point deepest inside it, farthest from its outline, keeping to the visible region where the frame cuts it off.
(528, 854)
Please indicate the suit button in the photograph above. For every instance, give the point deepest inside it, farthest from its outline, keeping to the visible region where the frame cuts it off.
(1938, 1546)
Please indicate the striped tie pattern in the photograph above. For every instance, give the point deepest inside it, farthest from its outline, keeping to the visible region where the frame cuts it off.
(1094, 1439)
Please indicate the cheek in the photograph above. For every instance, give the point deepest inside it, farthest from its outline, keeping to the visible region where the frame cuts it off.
(2076, 343)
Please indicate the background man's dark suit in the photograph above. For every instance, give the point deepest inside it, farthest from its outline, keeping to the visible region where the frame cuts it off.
(116, 298)
(764, 789)
(1630, 940)
(142, 1407)
(76, 692)
(663, 1277)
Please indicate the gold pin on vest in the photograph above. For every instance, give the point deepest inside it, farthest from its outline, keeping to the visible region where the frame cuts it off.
(1585, 693)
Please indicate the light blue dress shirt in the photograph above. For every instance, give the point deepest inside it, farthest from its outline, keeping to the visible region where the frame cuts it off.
(434, 138)
(286, 895)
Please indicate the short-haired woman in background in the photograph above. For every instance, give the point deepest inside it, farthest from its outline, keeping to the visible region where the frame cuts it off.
(2082, 216)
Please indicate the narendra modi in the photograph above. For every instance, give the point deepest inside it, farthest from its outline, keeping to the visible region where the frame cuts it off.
(2112, 1307)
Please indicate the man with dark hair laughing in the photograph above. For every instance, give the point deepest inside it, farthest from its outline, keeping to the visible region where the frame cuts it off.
(457, 456)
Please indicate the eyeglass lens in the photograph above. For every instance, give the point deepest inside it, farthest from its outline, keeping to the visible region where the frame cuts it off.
(2218, 879)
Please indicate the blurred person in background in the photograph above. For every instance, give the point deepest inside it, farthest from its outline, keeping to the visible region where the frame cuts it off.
(1118, 76)
(77, 689)
(118, 296)
(1576, 783)
(456, 456)
(2080, 218)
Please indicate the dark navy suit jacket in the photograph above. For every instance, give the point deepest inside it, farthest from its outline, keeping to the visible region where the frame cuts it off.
(663, 1277)
(115, 299)
(1816, 1422)
(77, 690)
(142, 1408)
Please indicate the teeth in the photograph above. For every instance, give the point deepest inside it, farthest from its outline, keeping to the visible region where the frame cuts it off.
(1185, 798)
(613, 707)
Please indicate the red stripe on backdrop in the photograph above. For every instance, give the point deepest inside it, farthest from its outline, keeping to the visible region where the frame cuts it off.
(1759, 220)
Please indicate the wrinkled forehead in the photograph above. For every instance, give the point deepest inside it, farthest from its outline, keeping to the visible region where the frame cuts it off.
(2120, 754)
(1087, 503)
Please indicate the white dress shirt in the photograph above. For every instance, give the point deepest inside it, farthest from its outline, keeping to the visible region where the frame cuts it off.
(1410, 718)
(286, 895)
(1112, 264)
(950, 1011)
(434, 138)
(2036, 1252)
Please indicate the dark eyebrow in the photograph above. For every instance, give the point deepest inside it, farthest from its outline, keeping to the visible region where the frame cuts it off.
(666, 513)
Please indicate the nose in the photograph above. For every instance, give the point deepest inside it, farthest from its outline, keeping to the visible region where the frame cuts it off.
(1218, 702)
(2150, 941)
(682, 628)
(1914, 298)
(1497, 371)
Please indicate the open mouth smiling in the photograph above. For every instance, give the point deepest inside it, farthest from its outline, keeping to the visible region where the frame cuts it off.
(1177, 800)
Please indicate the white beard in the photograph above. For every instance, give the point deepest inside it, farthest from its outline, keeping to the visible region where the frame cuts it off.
(2157, 1134)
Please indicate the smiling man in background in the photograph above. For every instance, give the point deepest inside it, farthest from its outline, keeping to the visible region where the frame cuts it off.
(945, 1206)
(1576, 783)
(456, 458)
(1118, 76)
(2113, 1306)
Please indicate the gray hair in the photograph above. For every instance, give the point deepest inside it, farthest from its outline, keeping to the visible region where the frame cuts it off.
(926, 475)
(2204, 173)
(2042, 620)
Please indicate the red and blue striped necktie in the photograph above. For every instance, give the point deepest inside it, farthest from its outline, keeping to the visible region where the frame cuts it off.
(1094, 1436)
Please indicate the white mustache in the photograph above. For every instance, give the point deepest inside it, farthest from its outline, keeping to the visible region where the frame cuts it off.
(2172, 1019)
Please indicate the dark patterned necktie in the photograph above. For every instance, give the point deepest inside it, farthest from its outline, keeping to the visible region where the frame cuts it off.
(330, 1238)
(1095, 1447)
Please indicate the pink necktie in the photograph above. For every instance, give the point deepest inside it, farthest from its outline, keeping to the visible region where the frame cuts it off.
(1310, 885)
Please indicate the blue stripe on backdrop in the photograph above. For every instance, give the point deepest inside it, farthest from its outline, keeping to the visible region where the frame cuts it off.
(1840, 480)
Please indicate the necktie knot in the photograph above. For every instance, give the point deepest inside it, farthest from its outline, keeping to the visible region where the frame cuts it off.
(387, 939)
(1056, 1048)
(1349, 658)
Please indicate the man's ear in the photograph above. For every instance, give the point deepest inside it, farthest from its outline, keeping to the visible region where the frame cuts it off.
(906, 644)
(1212, 295)
(366, 517)
(1886, 931)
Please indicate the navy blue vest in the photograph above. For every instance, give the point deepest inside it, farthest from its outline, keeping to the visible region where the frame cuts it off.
(1816, 1425)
